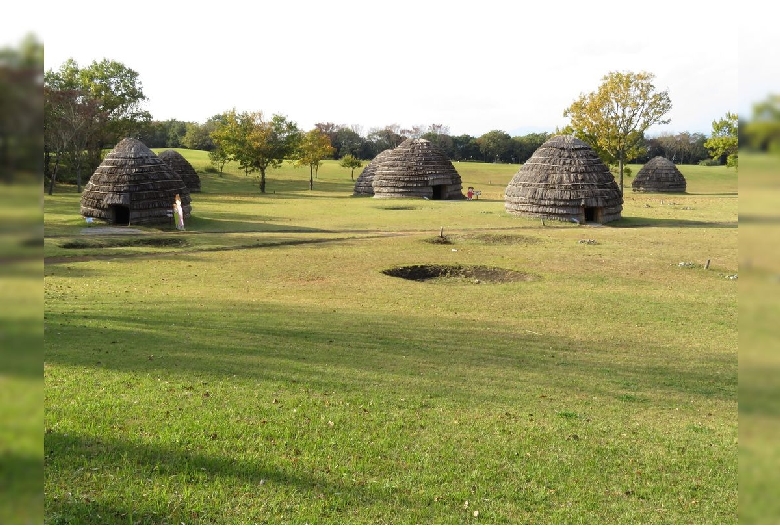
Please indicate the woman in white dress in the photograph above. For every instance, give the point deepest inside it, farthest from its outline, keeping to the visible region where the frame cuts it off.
(179, 213)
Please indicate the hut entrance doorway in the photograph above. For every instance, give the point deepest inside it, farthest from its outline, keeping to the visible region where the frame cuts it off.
(120, 215)
(592, 215)
(439, 192)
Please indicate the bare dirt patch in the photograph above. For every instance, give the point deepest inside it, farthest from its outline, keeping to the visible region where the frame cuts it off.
(485, 238)
(457, 273)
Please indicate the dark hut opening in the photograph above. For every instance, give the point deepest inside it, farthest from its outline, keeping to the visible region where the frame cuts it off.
(591, 215)
(439, 192)
(119, 215)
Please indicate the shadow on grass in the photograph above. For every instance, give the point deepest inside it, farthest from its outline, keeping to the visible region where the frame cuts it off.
(643, 222)
(176, 468)
(322, 349)
(184, 253)
(21, 489)
(246, 223)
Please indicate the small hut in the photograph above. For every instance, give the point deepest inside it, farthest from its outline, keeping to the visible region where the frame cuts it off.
(565, 180)
(133, 186)
(180, 165)
(417, 168)
(659, 175)
(364, 183)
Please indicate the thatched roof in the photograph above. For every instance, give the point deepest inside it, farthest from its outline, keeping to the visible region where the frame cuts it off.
(133, 186)
(417, 168)
(564, 179)
(180, 165)
(364, 182)
(659, 175)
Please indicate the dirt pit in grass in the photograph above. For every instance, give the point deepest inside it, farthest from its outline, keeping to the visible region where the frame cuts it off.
(458, 273)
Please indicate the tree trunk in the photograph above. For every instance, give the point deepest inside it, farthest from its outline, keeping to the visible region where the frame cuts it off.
(54, 173)
(620, 165)
(311, 178)
(352, 175)
(78, 175)
(262, 180)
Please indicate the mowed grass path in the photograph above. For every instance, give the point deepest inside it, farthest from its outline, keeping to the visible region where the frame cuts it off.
(262, 369)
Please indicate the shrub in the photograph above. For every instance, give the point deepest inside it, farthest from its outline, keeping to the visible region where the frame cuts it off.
(709, 162)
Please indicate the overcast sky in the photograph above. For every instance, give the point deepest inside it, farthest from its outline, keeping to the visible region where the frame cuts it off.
(472, 66)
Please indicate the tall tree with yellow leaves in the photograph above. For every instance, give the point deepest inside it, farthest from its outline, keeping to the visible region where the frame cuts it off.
(614, 118)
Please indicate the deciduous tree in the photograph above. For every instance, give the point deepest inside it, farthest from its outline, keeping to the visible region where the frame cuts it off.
(255, 143)
(119, 94)
(724, 139)
(494, 145)
(314, 146)
(614, 118)
(21, 108)
(73, 123)
(762, 132)
(351, 162)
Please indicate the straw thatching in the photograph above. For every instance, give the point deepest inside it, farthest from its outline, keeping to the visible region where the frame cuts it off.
(365, 181)
(566, 180)
(180, 165)
(417, 168)
(133, 186)
(659, 175)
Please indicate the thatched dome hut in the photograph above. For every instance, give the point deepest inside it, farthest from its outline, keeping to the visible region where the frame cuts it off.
(365, 181)
(417, 168)
(566, 180)
(133, 186)
(180, 165)
(659, 175)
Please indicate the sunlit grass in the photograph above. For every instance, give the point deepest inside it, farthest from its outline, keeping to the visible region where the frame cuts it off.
(265, 371)
(759, 342)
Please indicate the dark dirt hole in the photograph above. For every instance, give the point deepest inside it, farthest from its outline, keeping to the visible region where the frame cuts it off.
(470, 273)
(127, 242)
(439, 240)
(397, 207)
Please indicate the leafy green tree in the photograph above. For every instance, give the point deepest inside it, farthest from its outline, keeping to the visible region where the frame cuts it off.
(346, 142)
(231, 138)
(465, 147)
(72, 123)
(352, 163)
(724, 139)
(524, 146)
(439, 135)
(118, 90)
(21, 108)
(198, 136)
(682, 148)
(255, 143)
(762, 132)
(219, 157)
(312, 148)
(614, 118)
(495, 146)
(388, 137)
(176, 131)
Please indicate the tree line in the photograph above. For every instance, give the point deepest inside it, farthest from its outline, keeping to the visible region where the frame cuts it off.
(89, 109)
(21, 110)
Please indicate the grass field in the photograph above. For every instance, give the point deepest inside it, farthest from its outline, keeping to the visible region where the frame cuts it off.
(261, 368)
(759, 341)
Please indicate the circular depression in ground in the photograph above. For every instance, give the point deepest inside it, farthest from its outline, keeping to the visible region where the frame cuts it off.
(472, 273)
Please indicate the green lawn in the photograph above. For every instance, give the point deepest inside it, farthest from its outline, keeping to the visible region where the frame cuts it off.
(759, 342)
(260, 368)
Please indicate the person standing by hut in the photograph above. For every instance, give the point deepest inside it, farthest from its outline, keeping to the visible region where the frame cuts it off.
(179, 213)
